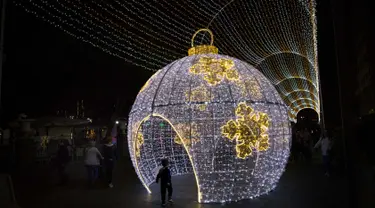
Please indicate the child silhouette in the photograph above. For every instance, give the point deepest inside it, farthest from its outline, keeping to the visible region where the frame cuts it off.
(166, 183)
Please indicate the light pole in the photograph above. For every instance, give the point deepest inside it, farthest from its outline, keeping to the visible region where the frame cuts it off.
(339, 84)
(322, 121)
(349, 160)
(3, 6)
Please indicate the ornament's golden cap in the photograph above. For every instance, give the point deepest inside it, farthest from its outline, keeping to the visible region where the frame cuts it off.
(203, 49)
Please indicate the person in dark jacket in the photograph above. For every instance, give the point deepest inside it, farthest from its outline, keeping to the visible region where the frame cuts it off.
(166, 181)
(62, 160)
(110, 156)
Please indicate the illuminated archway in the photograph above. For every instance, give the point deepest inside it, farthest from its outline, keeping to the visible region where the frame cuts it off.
(295, 78)
(277, 37)
(308, 113)
(153, 158)
(297, 94)
(298, 108)
(302, 101)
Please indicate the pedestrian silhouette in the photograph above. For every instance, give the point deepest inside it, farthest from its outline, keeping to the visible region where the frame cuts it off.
(165, 182)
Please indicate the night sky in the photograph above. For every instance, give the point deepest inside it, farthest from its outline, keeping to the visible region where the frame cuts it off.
(47, 70)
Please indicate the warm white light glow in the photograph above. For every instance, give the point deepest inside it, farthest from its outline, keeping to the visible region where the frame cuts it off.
(278, 37)
(201, 122)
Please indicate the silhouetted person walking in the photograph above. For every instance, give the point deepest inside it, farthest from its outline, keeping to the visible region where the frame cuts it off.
(166, 181)
(306, 141)
(92, 162)
(297, 146)
(62, 160)
(110, 156)
(325, 145)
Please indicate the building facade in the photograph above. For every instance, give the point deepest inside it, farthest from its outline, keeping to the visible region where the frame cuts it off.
(355, 66)
(363, 44)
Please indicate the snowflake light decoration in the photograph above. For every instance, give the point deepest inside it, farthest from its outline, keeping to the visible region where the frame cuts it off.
(139, 142)
(213, 116)
(188, 133)
(198, 94)
(249, 130)
(254, 89)
(215, 70)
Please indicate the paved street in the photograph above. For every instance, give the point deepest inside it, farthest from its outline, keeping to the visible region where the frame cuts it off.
(300, 186)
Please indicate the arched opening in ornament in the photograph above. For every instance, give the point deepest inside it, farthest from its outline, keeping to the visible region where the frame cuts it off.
(160, 140)
(307, 116)
(308, 119)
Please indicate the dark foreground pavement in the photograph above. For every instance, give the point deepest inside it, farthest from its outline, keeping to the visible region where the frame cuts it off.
(300, 186)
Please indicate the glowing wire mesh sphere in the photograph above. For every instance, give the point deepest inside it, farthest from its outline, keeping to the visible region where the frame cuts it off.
(216, 117)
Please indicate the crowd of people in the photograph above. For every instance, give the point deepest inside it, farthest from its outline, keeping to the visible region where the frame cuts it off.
(304, 145)
(96, 162)
(103, 161)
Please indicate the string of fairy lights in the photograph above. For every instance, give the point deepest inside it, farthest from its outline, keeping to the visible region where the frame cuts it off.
(277, 37)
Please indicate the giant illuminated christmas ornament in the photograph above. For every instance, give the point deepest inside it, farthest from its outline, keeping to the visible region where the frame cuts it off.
(213, 116)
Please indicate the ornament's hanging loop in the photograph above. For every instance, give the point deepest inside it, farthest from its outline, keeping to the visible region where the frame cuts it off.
(202, 30)
(203, 49)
